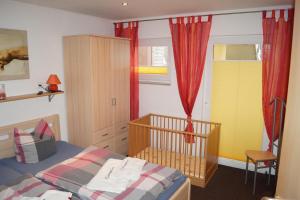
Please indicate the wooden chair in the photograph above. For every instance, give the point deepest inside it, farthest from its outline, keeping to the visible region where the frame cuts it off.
(267, 156)
(258, 157)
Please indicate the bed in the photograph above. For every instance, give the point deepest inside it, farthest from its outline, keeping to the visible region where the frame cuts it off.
(179, 190)
(14, 185)
(164, 140)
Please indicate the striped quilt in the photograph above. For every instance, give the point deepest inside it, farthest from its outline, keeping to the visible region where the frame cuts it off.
(75, 173)
(25, 186)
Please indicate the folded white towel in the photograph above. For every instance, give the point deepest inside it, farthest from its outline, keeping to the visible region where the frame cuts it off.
(104, 181)
(130, 168)
(116, 175)
(56, 195)
(51, 195)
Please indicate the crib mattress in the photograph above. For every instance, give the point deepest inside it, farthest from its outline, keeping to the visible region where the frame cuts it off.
(187, 164)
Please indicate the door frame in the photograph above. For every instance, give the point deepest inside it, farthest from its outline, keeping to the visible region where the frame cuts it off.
(208, 71)
(207, 82)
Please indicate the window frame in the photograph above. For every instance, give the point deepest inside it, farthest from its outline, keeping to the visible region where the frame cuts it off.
(160, 79)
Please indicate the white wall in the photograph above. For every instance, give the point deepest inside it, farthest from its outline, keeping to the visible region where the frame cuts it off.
(164, 99)
(288, 183)
(45, 29)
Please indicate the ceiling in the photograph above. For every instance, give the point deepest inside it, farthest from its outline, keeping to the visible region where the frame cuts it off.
(113, 9)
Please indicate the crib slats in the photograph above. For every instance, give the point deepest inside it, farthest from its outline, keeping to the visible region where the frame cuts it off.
(196, 145)
(171, 146)
(180, 152)
(176, 149)
(144, 138)
(157, 134)
(184, 155)
(200, 151)
(151, 146)
(162, 140)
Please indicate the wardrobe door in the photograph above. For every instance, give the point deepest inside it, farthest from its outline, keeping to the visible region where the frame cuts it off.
(237, 104)
(120, 71)
(77, 68)
(101, 98)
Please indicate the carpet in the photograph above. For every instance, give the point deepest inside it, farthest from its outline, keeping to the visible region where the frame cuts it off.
(228, 184)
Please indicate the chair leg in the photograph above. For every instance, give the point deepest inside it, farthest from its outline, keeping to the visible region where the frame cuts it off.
(270, 170)
(254, 184)
(247, 165)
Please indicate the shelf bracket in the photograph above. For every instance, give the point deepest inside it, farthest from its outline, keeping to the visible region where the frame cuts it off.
(50, 97)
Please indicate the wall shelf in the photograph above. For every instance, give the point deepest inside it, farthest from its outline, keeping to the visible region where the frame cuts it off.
(31, 96)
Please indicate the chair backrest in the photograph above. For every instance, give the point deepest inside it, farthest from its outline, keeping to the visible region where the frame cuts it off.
(281, 104)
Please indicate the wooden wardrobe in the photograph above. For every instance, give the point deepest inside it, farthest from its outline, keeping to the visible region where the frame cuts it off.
(97, 91)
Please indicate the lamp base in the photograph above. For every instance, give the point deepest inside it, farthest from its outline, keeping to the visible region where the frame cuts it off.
(53, 88)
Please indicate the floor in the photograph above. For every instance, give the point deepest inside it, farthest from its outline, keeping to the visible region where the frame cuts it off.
(228, 184)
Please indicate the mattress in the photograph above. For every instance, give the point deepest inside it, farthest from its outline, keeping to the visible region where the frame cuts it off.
(8, 175)
(14, 169)
(172, 189)
(64, 151)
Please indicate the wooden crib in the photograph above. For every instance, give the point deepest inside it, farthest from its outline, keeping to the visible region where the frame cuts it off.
(162, 140)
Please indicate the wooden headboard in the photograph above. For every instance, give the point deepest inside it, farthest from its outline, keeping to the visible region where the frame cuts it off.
(6, 133)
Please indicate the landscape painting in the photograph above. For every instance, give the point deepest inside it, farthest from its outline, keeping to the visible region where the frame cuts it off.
(14, 59)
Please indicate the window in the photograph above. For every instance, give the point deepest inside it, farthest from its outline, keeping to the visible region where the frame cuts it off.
(230, 52)
(154, 61)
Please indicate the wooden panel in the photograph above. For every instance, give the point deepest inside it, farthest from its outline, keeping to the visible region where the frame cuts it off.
(78, 89)
(6, 133)
(97, 76)
(121, 144)
(28, 96)
(154, 155)
(212, 151)
(289, 178)
(139, 136)
(120, 71)
(101, 84)
(183, 193)
(107, 144)
(160, 139)
(121, 128)
(102, 135)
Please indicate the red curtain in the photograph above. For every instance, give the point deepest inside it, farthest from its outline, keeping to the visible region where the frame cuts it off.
(189, 41)
(276, 53)
(131, 32)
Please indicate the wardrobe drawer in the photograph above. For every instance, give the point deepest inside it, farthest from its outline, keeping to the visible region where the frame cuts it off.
(102, 135)
(121, 144)
(107, 144)
(121, 127)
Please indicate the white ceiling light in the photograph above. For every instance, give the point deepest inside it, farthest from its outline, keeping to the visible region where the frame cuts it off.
(124, 4)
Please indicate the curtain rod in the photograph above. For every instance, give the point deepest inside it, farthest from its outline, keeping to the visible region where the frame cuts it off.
(206, 14)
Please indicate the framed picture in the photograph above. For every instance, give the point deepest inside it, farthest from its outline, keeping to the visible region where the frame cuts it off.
(13, 55)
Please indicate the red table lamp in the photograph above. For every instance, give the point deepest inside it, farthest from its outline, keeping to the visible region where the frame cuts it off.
(53, 81)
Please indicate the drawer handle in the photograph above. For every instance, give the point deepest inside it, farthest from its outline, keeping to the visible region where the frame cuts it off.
(106, 134)
(106, 147)
(114, 101)
(123, 139)
(124, 127)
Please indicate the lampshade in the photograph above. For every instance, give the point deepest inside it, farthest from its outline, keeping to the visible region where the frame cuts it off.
(53, 80)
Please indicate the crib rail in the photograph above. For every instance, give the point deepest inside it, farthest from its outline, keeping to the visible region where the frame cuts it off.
(161, 139)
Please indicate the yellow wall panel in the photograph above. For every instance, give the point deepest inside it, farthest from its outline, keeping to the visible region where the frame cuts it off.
(236, 103)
